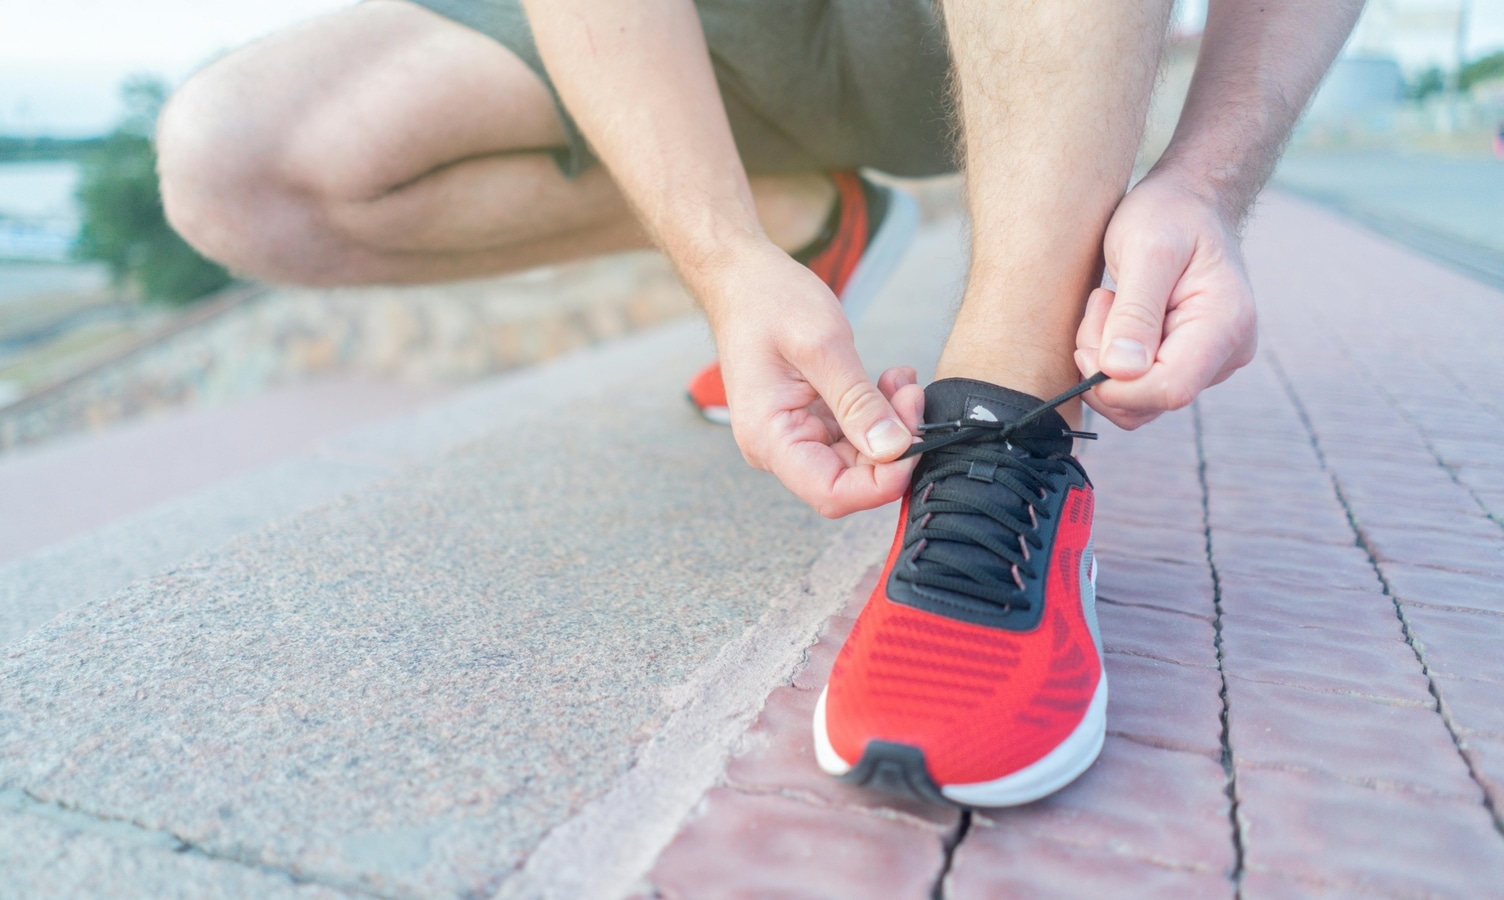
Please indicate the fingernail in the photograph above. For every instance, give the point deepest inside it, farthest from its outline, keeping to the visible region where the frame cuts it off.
(1126, 354)
(887, 438)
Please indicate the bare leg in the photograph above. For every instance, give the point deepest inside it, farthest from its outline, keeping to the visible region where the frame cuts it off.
(1053, 98)
(387, 144)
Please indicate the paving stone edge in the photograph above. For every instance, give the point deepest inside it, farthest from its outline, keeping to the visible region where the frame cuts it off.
(607, 848)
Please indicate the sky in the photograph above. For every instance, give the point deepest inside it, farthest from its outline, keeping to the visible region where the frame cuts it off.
(61, 61)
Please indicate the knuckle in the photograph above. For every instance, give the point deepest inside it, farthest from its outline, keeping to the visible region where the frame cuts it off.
(803, 346)
(1245, 354)
(811, 345)
(1179, 396)
(1139, 313)
(1246, 320)
(857, 401)
(751, 449)
(1158, 249)
(1133, 421)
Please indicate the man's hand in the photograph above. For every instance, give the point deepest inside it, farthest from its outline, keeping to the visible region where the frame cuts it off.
(802, 406)
(637, 78)
(1182, 317)
(1172, 246)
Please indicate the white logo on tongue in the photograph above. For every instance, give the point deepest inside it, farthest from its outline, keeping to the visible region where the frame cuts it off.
(982, 414)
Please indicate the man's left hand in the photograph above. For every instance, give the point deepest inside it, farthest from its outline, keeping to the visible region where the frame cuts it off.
(1182, 317)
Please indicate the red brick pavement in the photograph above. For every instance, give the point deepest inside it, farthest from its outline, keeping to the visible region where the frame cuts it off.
(1302, 602)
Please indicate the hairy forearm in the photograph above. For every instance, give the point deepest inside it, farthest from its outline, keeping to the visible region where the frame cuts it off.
(638, 81)
(1258, 65)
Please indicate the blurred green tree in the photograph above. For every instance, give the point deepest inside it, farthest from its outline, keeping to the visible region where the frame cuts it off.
(1429, 82)
(1491, 66)
(123, 223)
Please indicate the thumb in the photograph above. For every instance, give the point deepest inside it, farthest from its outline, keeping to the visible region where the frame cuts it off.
(866, 417)
(1136, 319)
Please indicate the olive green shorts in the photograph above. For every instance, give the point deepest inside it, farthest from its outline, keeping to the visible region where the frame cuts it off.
(809, 85)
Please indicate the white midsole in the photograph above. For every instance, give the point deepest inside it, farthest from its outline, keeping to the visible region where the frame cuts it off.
(825, 754)
(720, 415)
(1052, 772)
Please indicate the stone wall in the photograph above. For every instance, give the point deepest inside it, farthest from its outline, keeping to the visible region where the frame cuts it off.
(252, 339)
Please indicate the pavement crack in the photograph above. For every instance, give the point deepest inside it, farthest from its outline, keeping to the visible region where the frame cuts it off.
(1497, 517)
(951, 843)
(1463, 610)
(801, 665)
(1156, 608)
(1380, 785)
(125, 831)
(1144, 654)
(1340, 692)
(1112, 849)
(1228, 766)
(810, 798)
(1483, 403)
(1157, 743)
(1406, 627)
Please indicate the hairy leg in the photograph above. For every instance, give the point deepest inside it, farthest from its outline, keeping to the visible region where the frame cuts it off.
(1052, 99)
(386, 144)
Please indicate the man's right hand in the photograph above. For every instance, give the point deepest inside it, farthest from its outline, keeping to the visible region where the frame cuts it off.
(802, 406)
(638, 79)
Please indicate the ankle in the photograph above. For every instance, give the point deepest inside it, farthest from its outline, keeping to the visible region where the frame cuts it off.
(793, 208)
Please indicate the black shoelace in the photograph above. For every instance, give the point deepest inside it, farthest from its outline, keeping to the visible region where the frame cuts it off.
(942, 544)
(962, 431)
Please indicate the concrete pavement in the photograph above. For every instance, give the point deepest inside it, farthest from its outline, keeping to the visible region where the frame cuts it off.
(82, 483)
(566, 644)
(405, 690)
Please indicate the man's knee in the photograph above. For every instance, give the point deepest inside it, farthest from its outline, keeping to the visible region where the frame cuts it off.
(219, 178)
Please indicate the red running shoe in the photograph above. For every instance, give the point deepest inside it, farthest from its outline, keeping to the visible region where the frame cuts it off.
(866, 235)
(974, 674)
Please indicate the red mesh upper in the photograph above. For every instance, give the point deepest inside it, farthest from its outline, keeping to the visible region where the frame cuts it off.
(707, 388)
(838, 260)
(980, 702)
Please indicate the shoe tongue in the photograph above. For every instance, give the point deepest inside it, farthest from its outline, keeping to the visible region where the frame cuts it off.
(953, 399)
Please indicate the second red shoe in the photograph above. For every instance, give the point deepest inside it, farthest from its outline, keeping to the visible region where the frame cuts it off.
(869, 229)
